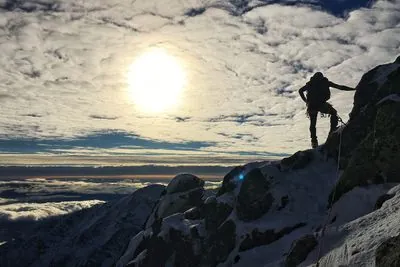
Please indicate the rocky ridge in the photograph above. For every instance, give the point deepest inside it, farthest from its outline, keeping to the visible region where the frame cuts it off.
(272, 213)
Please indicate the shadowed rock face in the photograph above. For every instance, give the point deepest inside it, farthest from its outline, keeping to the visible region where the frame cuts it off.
(258, 238)
(228, 183)
(382, 199)
(253, 200)
(371, 139)
(388, 253)
(93, 237)
(221, 244)
(300, 250)
(298, 160)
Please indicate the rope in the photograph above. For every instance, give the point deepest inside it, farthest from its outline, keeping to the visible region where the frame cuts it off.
(340, 120)
(331, 201)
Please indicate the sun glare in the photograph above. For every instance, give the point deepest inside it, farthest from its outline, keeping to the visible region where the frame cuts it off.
(156, 81)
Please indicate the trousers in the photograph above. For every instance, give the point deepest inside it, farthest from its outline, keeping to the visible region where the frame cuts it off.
(325, 108)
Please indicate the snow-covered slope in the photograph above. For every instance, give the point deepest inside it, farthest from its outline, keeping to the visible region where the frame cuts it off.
(94, 237)
(278, 213)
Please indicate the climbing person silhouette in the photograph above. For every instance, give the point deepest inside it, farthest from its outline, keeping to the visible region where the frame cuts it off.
(318, 94)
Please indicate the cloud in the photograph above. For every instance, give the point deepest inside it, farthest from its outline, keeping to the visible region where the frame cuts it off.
(35, 199)
(37, 211)
(36, 190)
(244, 61)
(100, 117)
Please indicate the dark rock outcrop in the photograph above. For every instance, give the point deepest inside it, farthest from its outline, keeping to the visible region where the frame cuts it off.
(184, 182)
(300, 250)
(253, 200)
(182, 193)
(228, 183)
(215, 214)
(371, 139)
(220, 244)
(261, 238)
(298, 160)
(382, 199)
(388, 253)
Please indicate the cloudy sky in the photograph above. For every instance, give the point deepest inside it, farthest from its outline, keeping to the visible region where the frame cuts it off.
(76, 76)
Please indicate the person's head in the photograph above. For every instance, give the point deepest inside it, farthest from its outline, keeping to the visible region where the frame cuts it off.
(317, 75)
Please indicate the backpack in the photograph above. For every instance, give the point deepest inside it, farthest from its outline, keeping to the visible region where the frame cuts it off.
(318, 91)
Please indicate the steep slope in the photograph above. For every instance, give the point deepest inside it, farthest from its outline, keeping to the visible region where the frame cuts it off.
(273, 213)
(370, 142)
(94, 237)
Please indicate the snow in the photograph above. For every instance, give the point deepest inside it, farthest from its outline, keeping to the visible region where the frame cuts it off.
(172, 202)
(356, 227)
(307, 189)
(353, 229)
(357, 203)
(354, 243)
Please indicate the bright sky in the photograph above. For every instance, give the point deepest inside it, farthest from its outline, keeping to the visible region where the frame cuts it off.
(223, 89)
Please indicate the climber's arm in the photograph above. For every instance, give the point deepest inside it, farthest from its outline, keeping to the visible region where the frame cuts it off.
(301, 92)
(341, 87)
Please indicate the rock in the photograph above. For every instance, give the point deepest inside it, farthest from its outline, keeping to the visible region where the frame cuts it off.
(371, 140)
(194, 213)
(157, 252)
(298, 160)
(261, 238)
(253, 200)
(185, 254)
(382, 199)
(215, 214)
(185, 191)
(284, 202)
(179, 202)
(220, 244)
(388, 253)
(184, 182)
(230, 180)
(300, 250)
(210, 200)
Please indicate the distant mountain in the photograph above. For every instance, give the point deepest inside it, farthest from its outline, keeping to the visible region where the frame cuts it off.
(94, 237)
(18, 171)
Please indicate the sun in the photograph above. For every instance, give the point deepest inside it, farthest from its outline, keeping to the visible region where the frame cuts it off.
(156, 81)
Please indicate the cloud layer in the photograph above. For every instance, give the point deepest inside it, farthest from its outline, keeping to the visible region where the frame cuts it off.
(64, 64)
(35, 199)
